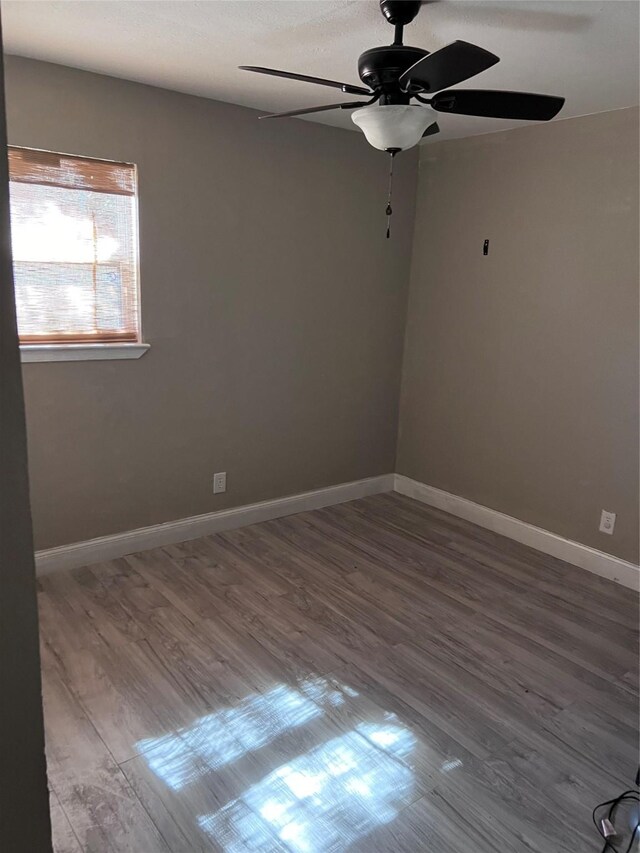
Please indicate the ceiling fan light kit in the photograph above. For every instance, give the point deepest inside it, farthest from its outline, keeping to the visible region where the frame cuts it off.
(396, 74)
(394, 126)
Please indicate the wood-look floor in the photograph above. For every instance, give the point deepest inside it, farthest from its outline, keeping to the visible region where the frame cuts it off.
(376, 676)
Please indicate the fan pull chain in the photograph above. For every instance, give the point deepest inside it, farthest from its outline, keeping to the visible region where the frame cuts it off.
(389, 211)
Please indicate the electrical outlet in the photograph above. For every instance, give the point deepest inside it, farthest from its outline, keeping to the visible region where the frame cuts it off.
(219, 482)
(607, 522)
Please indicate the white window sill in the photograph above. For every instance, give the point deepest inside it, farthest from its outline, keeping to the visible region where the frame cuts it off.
(80, 352)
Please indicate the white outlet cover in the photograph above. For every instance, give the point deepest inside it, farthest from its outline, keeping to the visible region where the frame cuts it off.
(607, 522)
(219, 482)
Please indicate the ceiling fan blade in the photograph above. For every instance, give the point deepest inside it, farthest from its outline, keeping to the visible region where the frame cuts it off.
(445, 67)
(348, 106)
(433, 128)
(518, 105)
(347, 88)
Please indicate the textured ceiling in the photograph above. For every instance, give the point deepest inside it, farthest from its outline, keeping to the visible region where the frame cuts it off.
(586, 51)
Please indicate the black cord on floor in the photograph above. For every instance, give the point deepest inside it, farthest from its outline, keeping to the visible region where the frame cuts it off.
(613, 804)
(633, 835)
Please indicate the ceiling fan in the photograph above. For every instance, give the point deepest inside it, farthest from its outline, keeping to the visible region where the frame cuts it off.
(397, 74)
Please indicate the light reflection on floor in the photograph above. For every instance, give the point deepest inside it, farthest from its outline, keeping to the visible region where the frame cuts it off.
(321, 800)
(226, 735)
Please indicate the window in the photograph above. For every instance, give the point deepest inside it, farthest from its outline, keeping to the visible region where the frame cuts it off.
(75, 249)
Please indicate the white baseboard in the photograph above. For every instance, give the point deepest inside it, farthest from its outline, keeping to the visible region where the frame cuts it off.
(580, 555)
(172, 532)
(144, 538)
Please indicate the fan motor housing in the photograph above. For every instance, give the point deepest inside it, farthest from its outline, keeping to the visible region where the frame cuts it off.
(380, 67)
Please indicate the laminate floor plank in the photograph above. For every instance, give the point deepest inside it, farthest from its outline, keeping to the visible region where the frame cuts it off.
(630, 681)
(332, 589)
(601, 737)
(462, 574)
(614, 615)
(63, 837)
(525, 667)
(374, 676)
(228, 549)
(102, 809)
(72, 618)
(428, 825)
(379, 715)
(470, 586)
(280, 632)
(130, 695)
(541, 569)
(186, 590)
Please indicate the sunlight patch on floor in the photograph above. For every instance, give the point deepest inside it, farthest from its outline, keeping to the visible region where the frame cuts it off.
(323, 800)
(226, 735)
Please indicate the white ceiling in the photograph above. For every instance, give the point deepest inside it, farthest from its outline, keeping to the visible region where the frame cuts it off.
(586, 51)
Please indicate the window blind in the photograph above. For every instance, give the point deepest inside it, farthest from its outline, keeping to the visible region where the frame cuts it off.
(74, 238)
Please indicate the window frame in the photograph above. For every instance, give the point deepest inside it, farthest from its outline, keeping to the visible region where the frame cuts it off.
(74, 347)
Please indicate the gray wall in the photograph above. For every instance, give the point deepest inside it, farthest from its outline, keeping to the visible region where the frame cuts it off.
(275, 310)
(273, 304)
(520, 379)
(24, 816)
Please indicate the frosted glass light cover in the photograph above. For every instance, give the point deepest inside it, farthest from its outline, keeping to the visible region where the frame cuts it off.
(392, 126)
